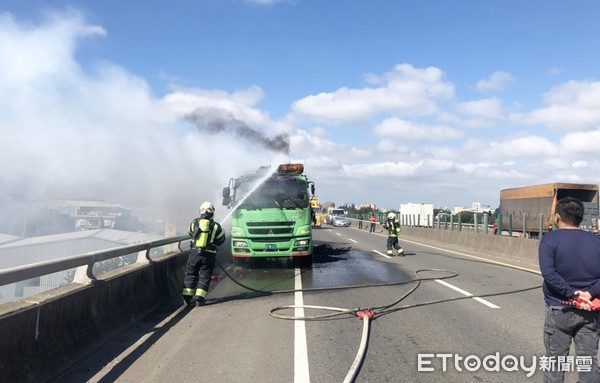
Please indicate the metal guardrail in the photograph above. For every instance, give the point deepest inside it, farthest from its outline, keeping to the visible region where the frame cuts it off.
(434, 225)
(87, 260)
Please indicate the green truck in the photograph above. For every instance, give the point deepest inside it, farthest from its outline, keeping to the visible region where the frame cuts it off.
(272, 214)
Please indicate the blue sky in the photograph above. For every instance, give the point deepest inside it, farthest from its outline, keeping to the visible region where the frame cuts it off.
(386, 102)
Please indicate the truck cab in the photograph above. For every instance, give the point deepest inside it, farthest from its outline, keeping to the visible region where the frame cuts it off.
(272, 214)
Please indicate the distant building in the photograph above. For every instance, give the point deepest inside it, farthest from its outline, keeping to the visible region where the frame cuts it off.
(348, 205)
(416, 214)
(458, 209)
(371, 206)
(476, 207)
(20, 252)
(90, 215)
(327, 204)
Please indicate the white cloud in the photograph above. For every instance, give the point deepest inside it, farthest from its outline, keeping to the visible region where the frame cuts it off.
(310, 145)
(404, 171)
(319, 132)
(405, 90)
(31, 54)
(572, 106)
(185, 100)
(395, 169)
(395, 127)
(360, 153)
(551, 163)
(580, 164)
(387, 145)
(497, 81)
(583, 143)
(522, 147)
(490, 108)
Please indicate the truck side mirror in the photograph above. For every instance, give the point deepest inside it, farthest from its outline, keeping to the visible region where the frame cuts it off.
(226, 196)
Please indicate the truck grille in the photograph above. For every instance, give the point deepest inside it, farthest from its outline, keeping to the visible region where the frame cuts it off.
(270, 224)
(271, 228)
(269, 231)
(272, 240)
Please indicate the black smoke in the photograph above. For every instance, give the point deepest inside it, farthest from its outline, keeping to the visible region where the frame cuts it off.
(216, 121)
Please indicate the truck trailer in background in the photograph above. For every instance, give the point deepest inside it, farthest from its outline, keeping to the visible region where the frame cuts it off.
(416, 214)
(531, 208)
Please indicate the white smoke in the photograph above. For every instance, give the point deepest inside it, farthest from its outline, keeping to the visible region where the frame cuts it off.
(72, 131)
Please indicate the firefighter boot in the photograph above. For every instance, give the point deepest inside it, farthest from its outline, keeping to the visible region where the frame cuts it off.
(199, 301)
(401, 252)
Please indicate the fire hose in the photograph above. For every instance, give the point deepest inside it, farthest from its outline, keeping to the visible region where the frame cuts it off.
(367, 315)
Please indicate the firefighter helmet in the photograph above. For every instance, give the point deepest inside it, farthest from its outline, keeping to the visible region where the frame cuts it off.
(207, 208)
(391, 216)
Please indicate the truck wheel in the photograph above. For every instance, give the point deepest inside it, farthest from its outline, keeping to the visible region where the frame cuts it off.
(304, 262)
(241, 262)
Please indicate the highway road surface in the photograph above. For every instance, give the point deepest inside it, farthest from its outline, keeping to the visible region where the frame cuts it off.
(467, 320)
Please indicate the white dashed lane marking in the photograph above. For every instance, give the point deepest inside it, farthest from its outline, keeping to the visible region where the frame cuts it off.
(466, 293)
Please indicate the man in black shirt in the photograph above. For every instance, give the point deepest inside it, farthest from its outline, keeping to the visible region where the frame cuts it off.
(570, 264)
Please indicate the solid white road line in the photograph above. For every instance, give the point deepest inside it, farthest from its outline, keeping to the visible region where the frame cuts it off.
(466, 293)
(380, 253)
(475, 257)
(100, 375)
(301, 372)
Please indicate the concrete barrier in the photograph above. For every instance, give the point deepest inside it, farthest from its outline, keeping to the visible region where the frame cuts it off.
(486, 245)
(45, 334)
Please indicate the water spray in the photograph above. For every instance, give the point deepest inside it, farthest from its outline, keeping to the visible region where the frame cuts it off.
(255, 186)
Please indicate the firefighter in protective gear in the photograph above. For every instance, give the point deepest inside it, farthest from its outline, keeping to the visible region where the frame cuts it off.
(206, 236)
(392, 225)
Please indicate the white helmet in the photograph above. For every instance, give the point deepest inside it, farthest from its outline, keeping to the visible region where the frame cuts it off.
(207, 208)
(391, 215)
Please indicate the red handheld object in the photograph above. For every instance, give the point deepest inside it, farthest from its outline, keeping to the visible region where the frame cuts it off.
(595, 303)
(366, 313)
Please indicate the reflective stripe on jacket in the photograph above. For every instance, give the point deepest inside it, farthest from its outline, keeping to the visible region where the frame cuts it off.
(393, 228)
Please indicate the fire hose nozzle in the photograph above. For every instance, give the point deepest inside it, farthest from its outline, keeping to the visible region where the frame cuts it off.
(582, 304)
(595, 303)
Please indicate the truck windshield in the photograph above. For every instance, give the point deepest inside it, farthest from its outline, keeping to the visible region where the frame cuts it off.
(288, 193)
